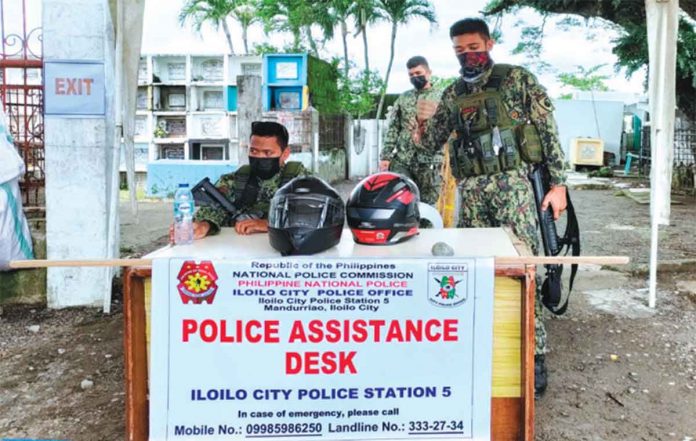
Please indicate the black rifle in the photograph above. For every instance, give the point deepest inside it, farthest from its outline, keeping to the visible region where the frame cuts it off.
(205, 194)
(552, 287)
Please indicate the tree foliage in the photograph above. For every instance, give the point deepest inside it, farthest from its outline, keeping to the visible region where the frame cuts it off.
(583, 79)
(631, 47)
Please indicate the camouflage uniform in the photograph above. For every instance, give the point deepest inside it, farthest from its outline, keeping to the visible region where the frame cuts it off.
(406, 157)
(227, 184)
(506, 198)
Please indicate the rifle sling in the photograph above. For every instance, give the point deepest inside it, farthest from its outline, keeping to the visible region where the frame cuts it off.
(552, 287)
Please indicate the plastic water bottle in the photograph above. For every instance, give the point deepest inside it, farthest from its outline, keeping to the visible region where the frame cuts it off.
(183, 215)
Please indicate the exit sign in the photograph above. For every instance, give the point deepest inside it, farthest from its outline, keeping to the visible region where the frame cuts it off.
(74, 88)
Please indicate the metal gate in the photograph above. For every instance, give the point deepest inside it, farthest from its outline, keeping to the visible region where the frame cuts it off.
(21, 89)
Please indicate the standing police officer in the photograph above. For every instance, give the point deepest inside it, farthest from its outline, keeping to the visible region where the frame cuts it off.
(504, 121)
(400, 154)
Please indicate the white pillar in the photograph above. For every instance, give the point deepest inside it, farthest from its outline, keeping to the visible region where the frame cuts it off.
(78, 157)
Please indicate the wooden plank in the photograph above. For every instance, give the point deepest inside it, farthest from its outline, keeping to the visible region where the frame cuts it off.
(135, 358)
(507, 334)
(499, 261)
(528, 346)
(506, 414)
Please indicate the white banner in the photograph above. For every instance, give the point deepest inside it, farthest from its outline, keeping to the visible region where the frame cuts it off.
(334, 349)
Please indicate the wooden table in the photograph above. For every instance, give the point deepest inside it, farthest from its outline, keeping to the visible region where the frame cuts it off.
(512, 403)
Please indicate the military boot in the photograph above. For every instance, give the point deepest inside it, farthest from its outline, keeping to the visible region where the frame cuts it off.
(541, 379)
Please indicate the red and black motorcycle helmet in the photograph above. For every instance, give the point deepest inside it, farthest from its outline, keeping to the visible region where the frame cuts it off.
(383, 209)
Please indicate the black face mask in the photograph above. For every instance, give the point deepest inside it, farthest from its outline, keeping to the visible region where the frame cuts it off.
(419, 82)
(264, 168)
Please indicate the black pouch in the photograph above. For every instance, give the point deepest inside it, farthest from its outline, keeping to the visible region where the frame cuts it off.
(463, 159)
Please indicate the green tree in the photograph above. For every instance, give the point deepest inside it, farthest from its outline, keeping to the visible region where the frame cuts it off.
(365, 13)
(297, 17)
(214, 12)
(400, 12)
(246, 14)
(585, 79)
(631, 47)
(357, 93)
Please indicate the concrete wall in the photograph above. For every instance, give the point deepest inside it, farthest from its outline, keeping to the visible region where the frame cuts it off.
(78, 157)
(332, 164)
(361, 141)
(576, 119)
(163, 177)
(27, 286)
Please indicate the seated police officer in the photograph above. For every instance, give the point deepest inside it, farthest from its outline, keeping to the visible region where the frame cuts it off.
(252, 186)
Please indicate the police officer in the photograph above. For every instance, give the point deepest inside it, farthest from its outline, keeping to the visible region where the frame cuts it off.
(503, 120)
(252, 186)
(400, 154)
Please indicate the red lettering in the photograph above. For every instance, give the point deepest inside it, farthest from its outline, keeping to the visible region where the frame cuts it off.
(314, 363)
(429, 333)
(72, 90)
(188, 327)
(60, 86)
(209, 331)
(316, 332)
(345, 363)
(376, 328)
(394, 332)
(293, 363)
(253, 338)
(224, 338)
(88, 85)
(297, 333)
(271, 331)
(450, 331)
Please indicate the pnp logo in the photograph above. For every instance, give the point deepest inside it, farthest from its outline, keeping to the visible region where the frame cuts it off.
(197, 282)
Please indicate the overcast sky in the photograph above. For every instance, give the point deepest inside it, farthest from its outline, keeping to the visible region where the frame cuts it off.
(562, 49)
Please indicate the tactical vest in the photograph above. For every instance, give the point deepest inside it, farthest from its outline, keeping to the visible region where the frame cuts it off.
(488, 141)
(246, 190)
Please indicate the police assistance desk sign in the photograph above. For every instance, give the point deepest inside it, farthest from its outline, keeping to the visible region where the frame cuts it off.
(334, 349)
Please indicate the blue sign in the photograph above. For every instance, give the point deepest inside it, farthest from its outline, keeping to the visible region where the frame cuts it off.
(74, 88)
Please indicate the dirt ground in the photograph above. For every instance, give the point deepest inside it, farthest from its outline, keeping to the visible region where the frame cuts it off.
(618, 370)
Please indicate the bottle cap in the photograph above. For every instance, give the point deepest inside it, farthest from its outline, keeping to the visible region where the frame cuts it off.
(183, 185)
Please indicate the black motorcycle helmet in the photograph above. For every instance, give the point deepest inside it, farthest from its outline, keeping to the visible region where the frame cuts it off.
(383, 209)
(306, 216)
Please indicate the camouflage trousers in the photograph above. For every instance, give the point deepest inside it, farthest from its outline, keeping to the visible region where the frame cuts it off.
(505, 199)
(424, 169)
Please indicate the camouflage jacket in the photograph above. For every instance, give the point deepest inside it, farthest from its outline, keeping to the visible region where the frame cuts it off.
(524, 98)
(218, 217)
(398, 139)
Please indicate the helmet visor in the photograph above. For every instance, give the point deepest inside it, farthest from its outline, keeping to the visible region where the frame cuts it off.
(307, 211)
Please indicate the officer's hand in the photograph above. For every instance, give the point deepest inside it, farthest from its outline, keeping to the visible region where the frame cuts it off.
(200, 230)
(556, 197)
(251, 226)
(425, 109)
(384, 166)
